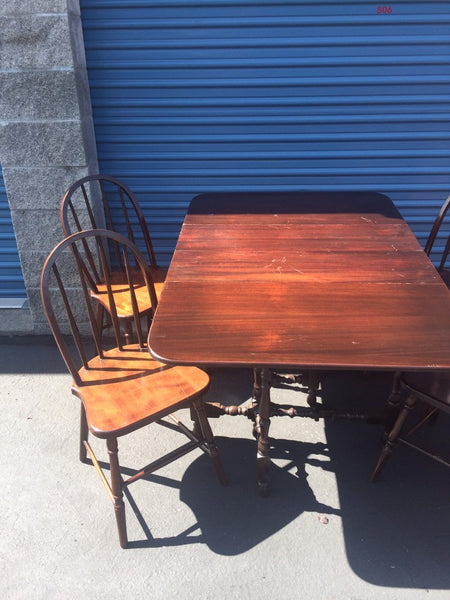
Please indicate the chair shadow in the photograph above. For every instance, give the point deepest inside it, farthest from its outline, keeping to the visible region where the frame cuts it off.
(397, 530)
(245, 519)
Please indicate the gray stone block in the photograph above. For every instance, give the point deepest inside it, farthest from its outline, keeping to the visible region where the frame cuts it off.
(36, 231)
(32, 263)
(32, 144)
(38, 95)
(19, 7)
(15, 321)
(77, 39)
(35, 41)
(36, 309)
(47, 132)
(73, 7)
(39, 188)
(90, 144)
(84, 94)
(40, 329)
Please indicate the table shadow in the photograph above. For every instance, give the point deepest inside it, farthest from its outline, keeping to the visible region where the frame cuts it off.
(307, 202)
(397, 530)
(235, 519)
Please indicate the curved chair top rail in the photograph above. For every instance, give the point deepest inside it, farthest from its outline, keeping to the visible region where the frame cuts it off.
(88, 200)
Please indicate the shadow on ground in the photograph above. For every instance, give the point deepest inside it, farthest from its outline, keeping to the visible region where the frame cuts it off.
(30, 354)
(397, 530)
(245, 519)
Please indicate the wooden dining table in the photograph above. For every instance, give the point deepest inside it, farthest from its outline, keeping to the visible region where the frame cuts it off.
(307, 281)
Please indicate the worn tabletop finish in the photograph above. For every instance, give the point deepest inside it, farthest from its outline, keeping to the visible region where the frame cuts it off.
(315, 280)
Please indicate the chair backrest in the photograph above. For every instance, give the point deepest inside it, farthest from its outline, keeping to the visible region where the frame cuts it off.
(119, 211)
(434, 233)
(66, 281)
(433, 387)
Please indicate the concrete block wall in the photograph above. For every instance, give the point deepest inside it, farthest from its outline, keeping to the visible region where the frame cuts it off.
(47, 136)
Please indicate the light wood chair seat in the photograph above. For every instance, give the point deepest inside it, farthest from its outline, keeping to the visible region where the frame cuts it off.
(127, 389)
(121, 293)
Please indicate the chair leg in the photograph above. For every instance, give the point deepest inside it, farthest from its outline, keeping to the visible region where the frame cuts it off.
(84, 434)
(203, 423)
(393, 435)
(429, 417)
(393, 403)
(117, 491)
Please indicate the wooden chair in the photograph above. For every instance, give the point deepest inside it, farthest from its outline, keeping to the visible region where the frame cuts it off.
(443, 271)
(98, 201)
(121, 387)
(433, 389)
(394, 399)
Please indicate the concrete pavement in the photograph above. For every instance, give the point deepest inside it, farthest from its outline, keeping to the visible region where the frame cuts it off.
(325, 532)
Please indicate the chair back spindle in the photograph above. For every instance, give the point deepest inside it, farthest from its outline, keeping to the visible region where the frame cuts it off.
(81, 337)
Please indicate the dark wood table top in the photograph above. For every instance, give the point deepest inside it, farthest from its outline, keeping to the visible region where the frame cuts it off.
(314, 280)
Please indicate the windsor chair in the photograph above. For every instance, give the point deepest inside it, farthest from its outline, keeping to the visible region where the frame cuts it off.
(98, 201)
(121, 387)
(433, 389)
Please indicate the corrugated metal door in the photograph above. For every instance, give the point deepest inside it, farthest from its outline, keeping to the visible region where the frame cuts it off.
(224, 95)
(12, 288)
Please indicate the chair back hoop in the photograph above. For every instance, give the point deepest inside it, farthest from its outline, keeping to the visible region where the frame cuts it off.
(436, 226)
(60, 294)
(119, 210)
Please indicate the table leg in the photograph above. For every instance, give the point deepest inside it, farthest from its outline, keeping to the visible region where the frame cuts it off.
(256, 385)
(262, 423)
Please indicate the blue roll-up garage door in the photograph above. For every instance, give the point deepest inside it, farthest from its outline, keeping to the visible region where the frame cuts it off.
(12, 287)
(192, 97)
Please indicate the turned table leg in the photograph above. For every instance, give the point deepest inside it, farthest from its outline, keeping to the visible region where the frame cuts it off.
(256, 385)
(262, 423)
